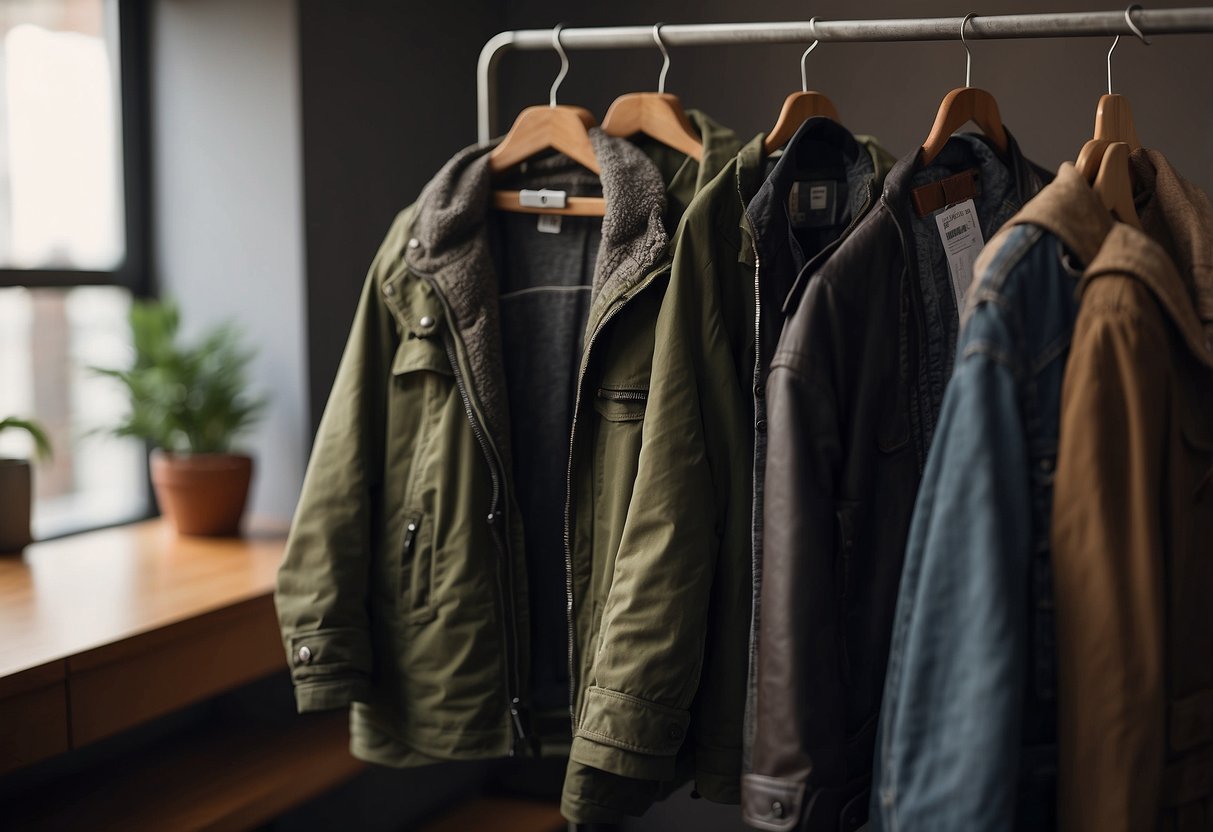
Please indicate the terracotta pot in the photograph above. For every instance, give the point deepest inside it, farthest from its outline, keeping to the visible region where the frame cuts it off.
(16, 489)
(202, 494)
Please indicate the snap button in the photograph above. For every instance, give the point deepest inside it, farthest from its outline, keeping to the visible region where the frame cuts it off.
(426, 321)
(389, 290)
(675, 732)
(414, 243)
(761, 426)
(305, 654)
(776, 809)
(759, 391)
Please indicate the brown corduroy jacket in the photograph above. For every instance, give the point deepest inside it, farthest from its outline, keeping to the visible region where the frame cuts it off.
(1133, 523)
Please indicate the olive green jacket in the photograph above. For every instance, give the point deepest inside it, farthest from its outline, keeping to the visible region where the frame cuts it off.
(405, 592)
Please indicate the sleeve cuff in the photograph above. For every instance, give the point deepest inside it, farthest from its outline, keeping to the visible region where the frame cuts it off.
(329, 668)
(627, 736)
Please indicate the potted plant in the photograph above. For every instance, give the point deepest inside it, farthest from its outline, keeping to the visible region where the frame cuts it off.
(16, 486)
(189, 402)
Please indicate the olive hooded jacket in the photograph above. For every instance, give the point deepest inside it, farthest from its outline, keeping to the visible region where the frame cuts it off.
(429, 582)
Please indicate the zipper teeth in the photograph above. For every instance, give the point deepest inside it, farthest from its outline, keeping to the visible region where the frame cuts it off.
(568, 494)
(623, 395)
(507, 608)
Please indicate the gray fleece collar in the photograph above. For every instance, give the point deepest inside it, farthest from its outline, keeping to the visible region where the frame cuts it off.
(451, 248)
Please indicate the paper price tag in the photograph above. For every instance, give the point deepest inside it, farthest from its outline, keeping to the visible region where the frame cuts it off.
(960, 233)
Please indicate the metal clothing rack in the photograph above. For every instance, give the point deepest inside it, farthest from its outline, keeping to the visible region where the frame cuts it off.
(991, 27)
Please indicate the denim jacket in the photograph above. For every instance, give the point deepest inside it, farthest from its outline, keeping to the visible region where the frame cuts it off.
(967, 738)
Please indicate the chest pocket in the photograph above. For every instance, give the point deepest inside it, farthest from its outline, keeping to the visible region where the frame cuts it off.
(621, 403)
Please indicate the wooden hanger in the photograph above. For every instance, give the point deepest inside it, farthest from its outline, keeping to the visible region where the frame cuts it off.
(658, 115)
(961, 106)
(799, 107)
(554, 127)
(1114, 184)
(1104, 160)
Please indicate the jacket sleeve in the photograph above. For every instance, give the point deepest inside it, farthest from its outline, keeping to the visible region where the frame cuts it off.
(1108, 573)
(948, 750)
(321, 591)
(800, 701)
(636, 713)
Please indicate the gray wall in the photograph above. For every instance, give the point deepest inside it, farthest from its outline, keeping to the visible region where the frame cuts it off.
(228, 203)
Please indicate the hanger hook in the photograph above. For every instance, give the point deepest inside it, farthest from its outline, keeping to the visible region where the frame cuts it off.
(804, 78)
(1135, 29)
(968, 54)
(665, 54)
(564, 63)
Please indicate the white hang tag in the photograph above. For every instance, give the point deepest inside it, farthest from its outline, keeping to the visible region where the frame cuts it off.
(960, 233)
(549, 223)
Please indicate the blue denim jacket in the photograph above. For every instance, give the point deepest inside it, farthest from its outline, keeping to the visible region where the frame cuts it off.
(967, 737)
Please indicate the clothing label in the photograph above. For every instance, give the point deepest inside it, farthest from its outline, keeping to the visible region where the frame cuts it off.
(811, 204)
(960, 234)
(549, 223)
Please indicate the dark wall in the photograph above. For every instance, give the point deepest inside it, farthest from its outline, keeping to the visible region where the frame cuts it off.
(388, 94)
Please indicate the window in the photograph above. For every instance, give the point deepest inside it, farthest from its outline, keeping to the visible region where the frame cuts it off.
(72, 252)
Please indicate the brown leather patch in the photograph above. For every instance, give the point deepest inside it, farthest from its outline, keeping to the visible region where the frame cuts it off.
(934, 196)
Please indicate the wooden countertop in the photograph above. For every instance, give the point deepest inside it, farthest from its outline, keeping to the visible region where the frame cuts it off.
(64, 597)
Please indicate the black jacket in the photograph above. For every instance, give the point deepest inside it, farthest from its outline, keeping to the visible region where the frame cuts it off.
(852, 399)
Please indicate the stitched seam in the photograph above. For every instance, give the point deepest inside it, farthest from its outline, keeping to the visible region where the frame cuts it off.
(622, 744)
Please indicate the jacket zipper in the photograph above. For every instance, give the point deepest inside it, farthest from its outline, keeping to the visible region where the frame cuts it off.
(505, 588)
(623, 395)
(568, 494)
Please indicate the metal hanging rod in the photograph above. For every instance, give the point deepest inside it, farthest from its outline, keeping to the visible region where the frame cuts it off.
(991, 27)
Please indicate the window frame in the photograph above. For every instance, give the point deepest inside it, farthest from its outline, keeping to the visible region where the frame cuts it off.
(133, 272)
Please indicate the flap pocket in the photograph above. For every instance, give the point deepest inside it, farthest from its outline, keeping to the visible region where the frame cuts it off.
(621, 404)
(420, 354)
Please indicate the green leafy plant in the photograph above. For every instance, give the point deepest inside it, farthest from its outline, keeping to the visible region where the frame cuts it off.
(42, 442)
(185, 398)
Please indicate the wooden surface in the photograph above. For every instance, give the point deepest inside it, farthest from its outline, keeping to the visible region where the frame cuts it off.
(562, 128)
(501, 815)
(798, 108)
(228, 777)
(64, 597)
(106, 630)
(959, 107)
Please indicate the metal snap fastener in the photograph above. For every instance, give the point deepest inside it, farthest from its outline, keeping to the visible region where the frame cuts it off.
(776, 809)
(426, 321)
(414, 243)
(675, 732)
(389, 290)
(761, 426)
(412, 527)
(305, 654)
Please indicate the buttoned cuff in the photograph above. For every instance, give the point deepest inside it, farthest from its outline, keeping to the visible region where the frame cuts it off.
(631, 737)
(329, 668)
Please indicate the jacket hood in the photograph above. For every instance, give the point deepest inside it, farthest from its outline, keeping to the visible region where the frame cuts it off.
(1174, 257)
(450, 246)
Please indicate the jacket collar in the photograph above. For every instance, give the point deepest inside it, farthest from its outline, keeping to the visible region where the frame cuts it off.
(450, 247)
(768, 210)
(1069, 209)
(1173, 253)
(1025, 176)
(687, 175)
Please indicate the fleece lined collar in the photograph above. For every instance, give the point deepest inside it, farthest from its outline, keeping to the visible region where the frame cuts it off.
(450, 247)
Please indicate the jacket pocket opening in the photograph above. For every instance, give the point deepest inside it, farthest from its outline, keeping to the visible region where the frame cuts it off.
(417, 563)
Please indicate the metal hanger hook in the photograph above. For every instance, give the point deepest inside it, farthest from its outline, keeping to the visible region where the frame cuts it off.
(1135, 29)
(665, 54)
(804, 78)
(564, 63)
(968, 54)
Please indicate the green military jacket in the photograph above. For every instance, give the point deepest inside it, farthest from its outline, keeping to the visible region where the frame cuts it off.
(663, 556)
(412, 590)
